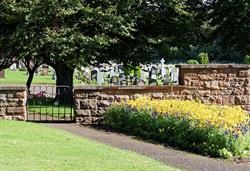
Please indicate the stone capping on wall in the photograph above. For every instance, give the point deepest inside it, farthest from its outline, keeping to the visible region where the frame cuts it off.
(128, 88)
(213, 66)
(12, 87)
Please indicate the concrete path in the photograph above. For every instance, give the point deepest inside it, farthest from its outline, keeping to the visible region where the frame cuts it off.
(175, 158)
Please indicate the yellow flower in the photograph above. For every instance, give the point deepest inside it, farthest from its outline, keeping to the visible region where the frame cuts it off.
(225, 117)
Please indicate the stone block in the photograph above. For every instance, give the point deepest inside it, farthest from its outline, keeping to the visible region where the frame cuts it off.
(238, 91)
(93, 95)
(88, 120)
(18, 117)
(88, 104)
(231, 75)
(20, 94)
(247, 91)
(120, 98)
(214, 85)
(83, 112)
(157, 95)
(205, 78)
(135, 96)
(7, 117)
(204, 93)
(10, 95)
(104, 103)
(219, 99)
(81, 95)
(99, 112)
(228, 100)
(221, 76)
(242, 100)
(186, 92)
(105, 97)
(18, 102)
(84, 120)
(2, 111)
(224, 84)
(15, 110)
(77, 103)
(247, 82)
(188, 97)
(3, 97)
(244, 73)
(3, 104)
(214, 92)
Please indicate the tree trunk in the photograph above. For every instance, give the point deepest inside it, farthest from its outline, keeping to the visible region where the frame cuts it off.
(30, 78)
(64, 84)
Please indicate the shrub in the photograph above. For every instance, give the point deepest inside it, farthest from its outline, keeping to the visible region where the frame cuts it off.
(192, 61)
(187, 125)
(137, 71)
(203, 58)
(247, 59)
(132, 70)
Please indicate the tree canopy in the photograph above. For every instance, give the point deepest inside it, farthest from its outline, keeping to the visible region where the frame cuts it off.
(66, 33)
(231, 23)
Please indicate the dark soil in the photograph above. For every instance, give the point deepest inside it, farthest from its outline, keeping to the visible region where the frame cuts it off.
(171, 157)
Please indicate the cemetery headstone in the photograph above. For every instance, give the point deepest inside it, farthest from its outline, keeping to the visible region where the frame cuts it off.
(21, 66)
(140, 82)
(153, 76)
(163, 70)
(94, 75)
(45, 70)
(53, 74)
(100, 77)
(166, 80)
(13, 67)
(122, 79)
(176, 75)
(114, 80)
(2, 74)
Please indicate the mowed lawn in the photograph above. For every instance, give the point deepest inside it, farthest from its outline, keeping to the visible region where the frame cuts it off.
(20, 78)
(28, 146)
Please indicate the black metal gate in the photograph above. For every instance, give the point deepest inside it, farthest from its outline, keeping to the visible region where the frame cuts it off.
(50, 104)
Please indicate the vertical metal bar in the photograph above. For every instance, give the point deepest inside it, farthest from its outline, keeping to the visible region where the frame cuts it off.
(64, 104)
(27, 105)
(71, 103)
(34, 112)
(58, 106)
(46, 93)
(41, 97)
(52, 112)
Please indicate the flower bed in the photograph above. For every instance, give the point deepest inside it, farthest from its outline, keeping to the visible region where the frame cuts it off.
(218, 131)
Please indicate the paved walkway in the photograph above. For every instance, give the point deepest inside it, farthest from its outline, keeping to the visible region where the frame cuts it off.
(175, 158)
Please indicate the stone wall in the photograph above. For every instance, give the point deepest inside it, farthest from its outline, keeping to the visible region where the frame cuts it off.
(221, 84)
(13, 103)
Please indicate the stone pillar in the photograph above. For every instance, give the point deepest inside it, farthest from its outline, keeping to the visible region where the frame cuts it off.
(13, 103)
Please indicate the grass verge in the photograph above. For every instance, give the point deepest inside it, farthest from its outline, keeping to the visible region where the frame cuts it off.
(27, 146)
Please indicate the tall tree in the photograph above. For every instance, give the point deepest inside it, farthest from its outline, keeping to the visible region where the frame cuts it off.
(67, 33)
(156, 23)
(10, 17)
(231, 22)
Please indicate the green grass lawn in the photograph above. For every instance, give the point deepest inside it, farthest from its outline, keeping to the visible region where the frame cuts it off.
(28, 146)
(51, 109)
(20, 77)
